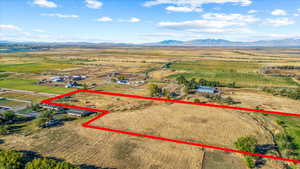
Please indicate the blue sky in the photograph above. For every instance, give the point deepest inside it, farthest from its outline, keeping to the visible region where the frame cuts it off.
(139, 21)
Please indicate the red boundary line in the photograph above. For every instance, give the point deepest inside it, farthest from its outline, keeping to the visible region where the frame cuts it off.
(104, 112)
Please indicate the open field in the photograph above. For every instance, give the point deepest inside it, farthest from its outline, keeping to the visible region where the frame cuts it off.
(30, 85)
(242, 73)
(22, 96)
(206, 125)
(33, 67)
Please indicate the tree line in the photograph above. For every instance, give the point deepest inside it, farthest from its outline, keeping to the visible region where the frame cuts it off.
(18, 160)
(290, 93)
(193, 83)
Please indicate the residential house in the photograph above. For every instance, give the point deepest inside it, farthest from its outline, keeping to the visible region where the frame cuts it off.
(57, 79)
(72, 85)
(78, 112)
(123, 81)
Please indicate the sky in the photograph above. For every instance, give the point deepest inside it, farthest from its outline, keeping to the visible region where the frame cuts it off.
(143, 21)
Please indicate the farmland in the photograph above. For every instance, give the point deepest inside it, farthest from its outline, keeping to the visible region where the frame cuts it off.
(245, 74)
(33, 72)
(30, 85)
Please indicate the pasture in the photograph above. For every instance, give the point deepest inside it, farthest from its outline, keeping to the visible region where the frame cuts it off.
(30, 85)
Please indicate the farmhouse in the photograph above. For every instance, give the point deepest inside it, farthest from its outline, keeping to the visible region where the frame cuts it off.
(123, 81)
(206, 89)
(52, 107)
(78, 78)
(79, 113)
(72, 85)
(57, 79)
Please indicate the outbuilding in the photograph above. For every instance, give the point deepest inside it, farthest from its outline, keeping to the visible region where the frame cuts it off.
(206, 89)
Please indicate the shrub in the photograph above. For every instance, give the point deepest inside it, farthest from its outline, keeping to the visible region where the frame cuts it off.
(3, 130)
(247, 144)
(155, 91)
(11, 160)
(8, 116)
(44, 163)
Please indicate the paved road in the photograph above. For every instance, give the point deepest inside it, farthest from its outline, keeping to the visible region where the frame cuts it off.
(18, 100)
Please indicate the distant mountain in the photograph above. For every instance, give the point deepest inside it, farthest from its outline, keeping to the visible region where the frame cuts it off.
(225, 43)
(196, 42)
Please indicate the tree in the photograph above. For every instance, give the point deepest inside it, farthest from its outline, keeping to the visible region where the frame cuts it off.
(166, 93)
(155, 91)
(46, 116)
(247, 144)
(181, 80)
(11, 160)
(8, 116)
(228, 100)
(186, 90)
(232, 85)
(85, 86)
(121, 77)
(44, 163)
(3, 130)
(192, 83)
(197, 100)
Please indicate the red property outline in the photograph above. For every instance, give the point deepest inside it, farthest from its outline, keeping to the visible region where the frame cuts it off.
(104, 112)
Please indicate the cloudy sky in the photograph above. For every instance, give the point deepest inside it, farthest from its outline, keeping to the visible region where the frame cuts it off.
(139, 21)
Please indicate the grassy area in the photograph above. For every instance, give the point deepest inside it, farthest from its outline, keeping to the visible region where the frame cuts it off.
(292, 128)
(17, 95)
(242, 73)
(13, 104)
(33, 67)
(29, 85)
(3, 75)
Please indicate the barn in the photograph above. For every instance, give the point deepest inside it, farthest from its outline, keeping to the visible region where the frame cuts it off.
(206, 89)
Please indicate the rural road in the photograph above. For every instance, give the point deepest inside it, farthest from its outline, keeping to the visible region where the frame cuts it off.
(29, 92)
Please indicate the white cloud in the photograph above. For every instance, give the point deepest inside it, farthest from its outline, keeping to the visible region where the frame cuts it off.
(45, 3)
(60, 15)
(182, 9)
(39, 30)
(134, 19)
(298, 12)
(222, 30)
(93, 4)
(104, 19)
(252, 11)
(230, 17)
(10, 27)
(280, 22)
(195, 3)
(279, 12)
(199, 24)
(214, 23)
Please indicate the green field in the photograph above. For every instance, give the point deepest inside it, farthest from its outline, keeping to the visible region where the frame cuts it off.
(245, 74)
(3, 75)
(292, 128)
(33, 67)
(29, 85)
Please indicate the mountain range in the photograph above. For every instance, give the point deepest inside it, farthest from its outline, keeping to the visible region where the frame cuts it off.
(196, 42)
(225, 43)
